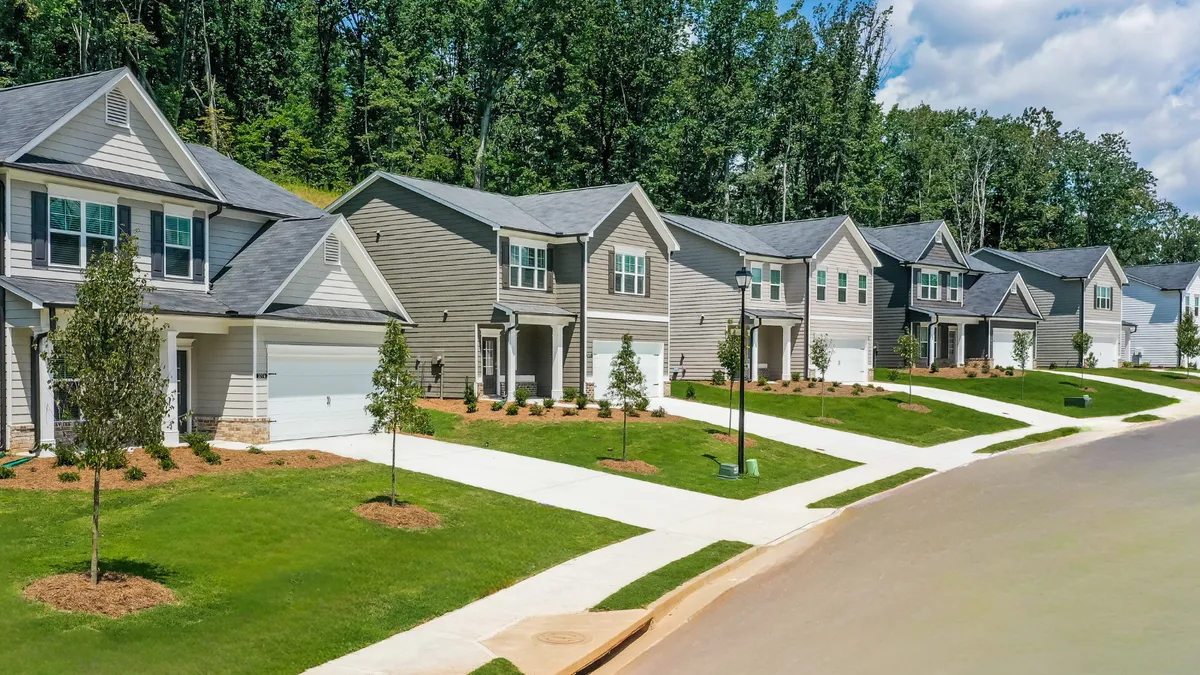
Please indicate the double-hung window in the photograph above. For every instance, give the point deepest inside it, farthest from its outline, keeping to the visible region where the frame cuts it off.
(755, 281)
(177, 241)
(527, 266)
(630, 274)
(776, 282)
(923, 336)
(1103, 297)
(862, 289)
(821, 279)
(929, 285)
(955, 282)
(843, 281)
(80, 230)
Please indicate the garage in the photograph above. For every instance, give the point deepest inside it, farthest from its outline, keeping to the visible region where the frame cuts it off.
(1107, 351)
(848, 362)
(650, 360)
(318, 390)
(1002, 346)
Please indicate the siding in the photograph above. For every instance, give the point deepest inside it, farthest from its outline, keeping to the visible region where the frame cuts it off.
(21, 375)
(943, 292)
(842, 320)
(435, 260)
(222, 373)
(1104, 325)
(628, 226)
(1059, 302)
(568, 282)
(795, 282)
(704, 298)
(1156, 313)
(891, 291)
(227, 236)
(324, 285)
(88, 140)
(1014, 303)
(941, 254)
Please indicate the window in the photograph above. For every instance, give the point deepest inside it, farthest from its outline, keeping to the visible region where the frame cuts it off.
(955, 282)
(755, 281)
(527, 267)
(821, 285)
(776, 282)
(923, 336)
(1103, 297)
(333, 251)
(177, 236)
(80, 230)
(843, 280)
(630, 274)
(116, 109)
(862, 289)
(929, 285)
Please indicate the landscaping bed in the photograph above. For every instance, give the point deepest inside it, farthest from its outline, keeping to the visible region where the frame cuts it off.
(557, 413)
(803, 388)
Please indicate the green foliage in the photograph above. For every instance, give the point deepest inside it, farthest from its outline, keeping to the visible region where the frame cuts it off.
(796, 376)
(908, 348)
(581, 401)
(933, 367)
(663, 580)
(69, 477)
(1187, 340)
(66, 454)
(210, 456)
(762, 380)
(821, 356)
(134, 473)
(497, 667)
(198, 441)
(605, 410)
(470, 397)
(472, 407)
(522, 396)
(392, 401)
(893, 374)
(512, 408)
(569, 394)
(1028, 440)
(659, 412)
(7, 472)
(537, 410)
(728, 354)
(863, 491)
(718, 378)
(497, 405)
(627, 385)
(1081, 342)
(254, 450)
(570, 412)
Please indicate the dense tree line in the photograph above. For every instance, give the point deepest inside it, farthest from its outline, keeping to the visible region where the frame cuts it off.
(719, 108)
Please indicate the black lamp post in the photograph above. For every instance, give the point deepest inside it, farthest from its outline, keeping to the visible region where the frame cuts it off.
(742, 277)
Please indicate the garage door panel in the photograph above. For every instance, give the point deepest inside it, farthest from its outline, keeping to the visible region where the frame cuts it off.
(318, 390)
(848, 361)
(650, 361)
(1002, 345)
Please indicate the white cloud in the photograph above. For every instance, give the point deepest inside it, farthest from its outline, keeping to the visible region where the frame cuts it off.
(1101, 65)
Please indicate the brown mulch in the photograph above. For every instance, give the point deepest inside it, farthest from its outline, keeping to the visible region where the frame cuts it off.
(402, 516)
(116, 595)
(1088, 389)
(821, 389)
(41, 474)
(629, 466)
(732, 438)
(555, 414)
(829, 420)
(914, 407)
(958, 373)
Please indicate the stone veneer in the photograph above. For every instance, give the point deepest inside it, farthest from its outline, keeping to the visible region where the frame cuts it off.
(20, 437)
(237, 429)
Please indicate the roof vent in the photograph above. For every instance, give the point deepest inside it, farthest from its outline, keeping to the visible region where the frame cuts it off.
(333, 251)
(116, 109)
(937, 236)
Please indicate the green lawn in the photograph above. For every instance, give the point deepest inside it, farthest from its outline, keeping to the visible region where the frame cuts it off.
(1045, 390)
(497, 667)
(670, 576)
(1178, 381)
(878, 416)
(684, 451)
(863, 491)
(1029, 440)
(273, 570)
(1144, 417)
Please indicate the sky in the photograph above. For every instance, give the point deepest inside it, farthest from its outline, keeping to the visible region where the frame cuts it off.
(1129, 66)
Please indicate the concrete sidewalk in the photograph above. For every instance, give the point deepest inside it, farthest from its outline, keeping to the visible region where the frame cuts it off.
(1030, 416)
(1148, 387)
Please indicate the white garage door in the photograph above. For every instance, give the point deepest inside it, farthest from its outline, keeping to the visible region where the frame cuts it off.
(318, 390)
(650, 360)
(848, 362)
(1002, 345)
(1106, 351)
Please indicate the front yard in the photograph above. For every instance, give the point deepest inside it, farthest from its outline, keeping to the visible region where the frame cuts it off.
(879, 415)
(1045, 390)
(1177, 380)
(273, 571)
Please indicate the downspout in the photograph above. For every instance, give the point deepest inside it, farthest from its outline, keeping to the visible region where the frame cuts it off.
(1082, 311)
(582, 321)
(807, 311)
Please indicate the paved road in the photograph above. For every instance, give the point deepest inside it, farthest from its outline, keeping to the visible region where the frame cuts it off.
(1082, 561)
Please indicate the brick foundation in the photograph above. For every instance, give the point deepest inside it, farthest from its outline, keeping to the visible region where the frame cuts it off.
(20, 438)
(237, 429)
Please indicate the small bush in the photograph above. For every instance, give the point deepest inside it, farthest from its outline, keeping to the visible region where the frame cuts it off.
(1091, 361)
(581, 401)
(605, 408)
(785, 384)
(994, 374)
(971, 374)
(831, 389)
(6, 472)
(66, 455)
(279, 461)
(69, 477)
(812, 384)
(642, 404)
(857, 388)
(521, 396)
(933, 367)
(570, 412)
(254, 450)
(836, 385)
(762, 380)
(134, 473)
(690, 394)
(893, 374)
(210, 456)
(166, 464)
(496, 405)
(312, 458)
(537, 410)
(472, 407)
(796, 377)
(766, 387)
(1053, 366)
(659, 412)
(1009, 371)
(470, 396)
(420, 422)
(197, 441)
(570, 393)
(986, 368)
(512, 408)
(718, 377)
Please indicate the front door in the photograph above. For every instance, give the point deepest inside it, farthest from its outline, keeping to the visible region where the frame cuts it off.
(952, 344)
(489, 366)
(181, 366)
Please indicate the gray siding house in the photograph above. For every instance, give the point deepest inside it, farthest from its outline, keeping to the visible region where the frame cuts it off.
(529, 292)
(960, 309)
(809, 278)
(271, 311)
(1155, 299)
(1075, 289)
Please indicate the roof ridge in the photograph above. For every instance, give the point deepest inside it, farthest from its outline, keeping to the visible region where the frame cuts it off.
(919, 222)
(1131, 267)
(843, 216)
(576, 189)
(61, 79)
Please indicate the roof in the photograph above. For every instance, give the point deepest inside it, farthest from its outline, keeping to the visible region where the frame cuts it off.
(787, 239)
(328, 314)
(573, 211)
(1068, 263)
(254, 275)
(1170, 277)
(737, 237)
(28, 110)
(531, 308)
(117, 178)
(492, 208)
(979, 265)
(907, 242)
(772, 314)
(245, 189)
(988, 293)
(62, 293)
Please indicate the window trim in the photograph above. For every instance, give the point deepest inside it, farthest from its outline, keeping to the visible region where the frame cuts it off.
(756, 286)
(822, 282)
(191, 226)
(83, 198)
(619, 273)
(776, 287)
(954, 289)
(932, 289)
(515, 274)
(1103, 298)
(923, 337)
(843, 287)
(863, 287)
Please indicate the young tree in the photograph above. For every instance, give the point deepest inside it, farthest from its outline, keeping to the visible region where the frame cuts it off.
(1187, 341)
(105, 365)
(908, 347)
(626, 384)
(822, 354)
(1081, 342)
(729, 354)
(1022, 343)
(393, 402)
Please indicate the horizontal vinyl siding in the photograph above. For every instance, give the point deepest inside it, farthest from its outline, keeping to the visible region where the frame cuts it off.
(1156, 313)
(1104, 325)
(627, 226)
(796, 282)
(20, 368)
(227, 236)
(704, 299)
(321, 284)
(891, 308)
(1059, 302)
(941, 254)
(568, 284)
(222, 373)
(18, 311)
(848, 320)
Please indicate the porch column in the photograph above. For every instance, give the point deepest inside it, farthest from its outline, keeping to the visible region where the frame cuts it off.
(510, 365)
(960, 351)
(787, 353)
(168, 358)
(45, 411)
(753, 353)
(556, 369)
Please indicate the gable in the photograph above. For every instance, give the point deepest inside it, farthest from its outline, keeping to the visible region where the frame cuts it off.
(845, 251)
(940, 253)
(319, 283)
(89, 140)
(628, 225)
(1014, 303)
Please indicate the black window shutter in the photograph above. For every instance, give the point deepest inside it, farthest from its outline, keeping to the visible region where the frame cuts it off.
(41, 229)
(612, 272)
(549, 268)
(504, 262)
(157, 239)
(198, 249)
(124, 223)
(646, 283)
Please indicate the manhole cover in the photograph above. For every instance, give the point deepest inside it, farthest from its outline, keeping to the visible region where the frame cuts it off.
(561, 637)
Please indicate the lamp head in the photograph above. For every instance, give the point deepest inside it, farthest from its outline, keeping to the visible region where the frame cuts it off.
(742, 277)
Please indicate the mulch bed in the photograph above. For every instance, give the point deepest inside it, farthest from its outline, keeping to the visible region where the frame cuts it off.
(732, 439)
(821, 389)
(957, 373)
(554, 414)
(914, 407)
(116, 595)
(402, 516)
(629, 466)
(41, 474)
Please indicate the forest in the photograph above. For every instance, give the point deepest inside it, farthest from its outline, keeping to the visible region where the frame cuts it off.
(728, 109)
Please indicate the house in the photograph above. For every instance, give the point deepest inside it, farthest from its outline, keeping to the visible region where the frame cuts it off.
(531, 292)
(1155, 299)
(271, 311)
(1075, 289)
(808, 278)
(960, 311)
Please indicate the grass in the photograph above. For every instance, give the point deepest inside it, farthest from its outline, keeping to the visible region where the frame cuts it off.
(273, 570)
(684, 451)
(878, 416)
(1045, 390)
(863, 491)
(1145, 417)
(318, 197)
(670, 576)
(1176, 380)
(497, 667)
(1029, 440)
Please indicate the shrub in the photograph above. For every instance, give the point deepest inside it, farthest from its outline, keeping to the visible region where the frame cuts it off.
(831, 389)
(312, 457)
(857, 388)
(470, 396)
(198, 441)
(570, 393)
(1053, 366)
(766, 387)
(419, 421)
(1090, 361)
(549, 402)
(986, 367)
(570, 412)
(496, 405)
(718, 377)
(933, 367)
(279, 461)
(796, 377)
(210, 456)
(1127, 364)
(812, 384)
(785, 384)
(69, 477)
(1009, 371)
(166, 464)
(159, 451)
(762, 380)
(690, 394)
(537, 410)
(994, 374)
(893, 374)
(642, 404)
(605, 408)
(134, 473)
(659, 412)
(836, 384)
(6, 472)
(522, 396)
(971, 373)
(472, 407)
(66, 455)
(512, 408)
(581, 401)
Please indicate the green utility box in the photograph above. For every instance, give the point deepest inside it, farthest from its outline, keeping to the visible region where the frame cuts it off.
(1084, 401)
(728, 472)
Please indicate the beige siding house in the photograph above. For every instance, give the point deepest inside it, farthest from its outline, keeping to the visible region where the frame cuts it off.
(531, 292)
(271, 311)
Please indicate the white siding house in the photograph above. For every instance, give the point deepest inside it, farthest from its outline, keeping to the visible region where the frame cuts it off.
(1155, 298)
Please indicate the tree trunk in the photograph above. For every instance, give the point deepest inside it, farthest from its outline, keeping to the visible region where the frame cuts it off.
(96, 525)
(624, 427)
(483, 137)
(393, 465)
(729, 427)
(910, 384)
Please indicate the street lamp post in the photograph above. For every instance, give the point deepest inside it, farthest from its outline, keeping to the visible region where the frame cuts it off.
(742, 277)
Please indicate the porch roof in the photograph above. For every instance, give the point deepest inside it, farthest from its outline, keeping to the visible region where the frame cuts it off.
(530, 308)
(48, 292)
(772, 314)
(329, 314)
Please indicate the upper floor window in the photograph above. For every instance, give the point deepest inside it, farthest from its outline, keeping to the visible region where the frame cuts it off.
(862, 289)
(177, 238)
(821, 279)
(1194, 305)
(776, 282)
(929, 285)
(527, 267)
(630, 274)
(955, 282)
(1104, 297)
(843, 280)
(80, 230)
(756, 281)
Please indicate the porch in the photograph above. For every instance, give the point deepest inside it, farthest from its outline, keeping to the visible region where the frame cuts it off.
(525, 347)
(772, 337)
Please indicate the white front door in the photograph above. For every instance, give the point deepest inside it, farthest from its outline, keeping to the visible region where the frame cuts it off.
(318, 390)
(650, 360)
(848, 362)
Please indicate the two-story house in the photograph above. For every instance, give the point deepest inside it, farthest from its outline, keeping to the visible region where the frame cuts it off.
(1076, 289)
(271, 311)
(1155, 299)
(808, 278)
(510, 292)
(960, 311)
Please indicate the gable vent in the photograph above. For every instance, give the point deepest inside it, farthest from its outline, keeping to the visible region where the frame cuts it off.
(116, 109)
(333, 251)
(937, 237)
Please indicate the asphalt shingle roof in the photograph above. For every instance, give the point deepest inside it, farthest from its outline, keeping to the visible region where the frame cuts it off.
(1068, 263)
(573, 212)
(328, 314)
(531, 308)
(734, 236)
(1170, 277)
(28, 110)
(247, 190)
(980, 265)
(62, 293)
(266, 261)
(989, 291)
(116, 178)
(788, 239)
(906, 243)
